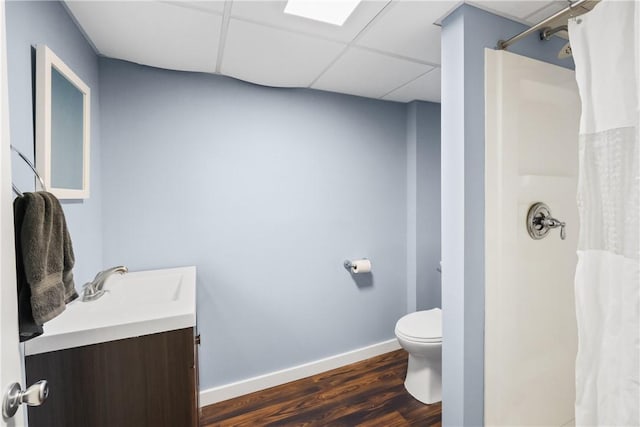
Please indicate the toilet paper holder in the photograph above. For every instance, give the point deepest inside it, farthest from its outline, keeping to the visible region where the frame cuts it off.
(349, 264)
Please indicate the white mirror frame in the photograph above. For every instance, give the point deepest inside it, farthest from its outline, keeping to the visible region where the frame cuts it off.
(45, 61)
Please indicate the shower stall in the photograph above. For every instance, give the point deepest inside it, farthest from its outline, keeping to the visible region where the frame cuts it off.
(562, 208)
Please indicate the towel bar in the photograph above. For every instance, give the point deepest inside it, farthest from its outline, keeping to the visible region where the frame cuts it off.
(33, 168)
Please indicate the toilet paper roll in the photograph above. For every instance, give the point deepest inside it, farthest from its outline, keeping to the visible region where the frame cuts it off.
(361, 266)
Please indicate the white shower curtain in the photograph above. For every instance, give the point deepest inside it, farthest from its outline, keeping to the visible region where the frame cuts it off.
(606, 50)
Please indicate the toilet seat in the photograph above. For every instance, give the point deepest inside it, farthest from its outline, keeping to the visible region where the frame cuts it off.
(421, 326)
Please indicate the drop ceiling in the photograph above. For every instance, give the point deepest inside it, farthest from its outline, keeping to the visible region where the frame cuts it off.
(385, 50)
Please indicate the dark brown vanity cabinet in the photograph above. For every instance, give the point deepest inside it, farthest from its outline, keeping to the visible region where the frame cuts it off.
(149, 380)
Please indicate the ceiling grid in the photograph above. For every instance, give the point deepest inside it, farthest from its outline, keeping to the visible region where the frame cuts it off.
(387, 49)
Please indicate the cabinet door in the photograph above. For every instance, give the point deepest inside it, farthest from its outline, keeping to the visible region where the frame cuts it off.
(142, 381)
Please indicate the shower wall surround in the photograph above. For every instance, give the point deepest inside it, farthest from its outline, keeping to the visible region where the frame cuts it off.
(47, 22)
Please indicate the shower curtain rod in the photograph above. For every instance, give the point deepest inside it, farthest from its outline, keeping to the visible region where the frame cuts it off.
(570, 10)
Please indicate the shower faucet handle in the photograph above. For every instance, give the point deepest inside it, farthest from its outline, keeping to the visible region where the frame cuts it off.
(540, 221)
(554, 223)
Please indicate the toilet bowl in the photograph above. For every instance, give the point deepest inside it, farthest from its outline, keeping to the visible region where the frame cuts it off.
(420, 334)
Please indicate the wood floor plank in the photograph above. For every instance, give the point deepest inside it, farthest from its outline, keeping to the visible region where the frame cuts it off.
(300, 394)
(321, 383)
(369, 393)
(390, 419)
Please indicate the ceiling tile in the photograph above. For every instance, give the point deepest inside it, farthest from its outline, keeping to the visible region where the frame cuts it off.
(424, 88)
(214, 6)
(516, 9)
(151, 33)
(406, 28)
(555, 7)
(272, 13)
(274, 57)
(365, 73)
(546, 11)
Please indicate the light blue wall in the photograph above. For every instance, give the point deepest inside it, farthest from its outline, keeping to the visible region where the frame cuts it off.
(412, 205)
(465, 35)
(30, 23)
(428, 286)
(423, 205)
(266, 191)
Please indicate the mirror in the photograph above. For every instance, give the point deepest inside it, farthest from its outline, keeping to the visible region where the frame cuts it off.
(62, 127)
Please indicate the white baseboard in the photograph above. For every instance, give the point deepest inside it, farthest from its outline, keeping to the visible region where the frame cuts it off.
(272, 379)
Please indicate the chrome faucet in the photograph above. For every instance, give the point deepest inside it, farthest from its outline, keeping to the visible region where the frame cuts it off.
(95, 289)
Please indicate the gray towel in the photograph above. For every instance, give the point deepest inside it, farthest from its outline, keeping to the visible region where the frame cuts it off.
(26, 325)
(46, 255)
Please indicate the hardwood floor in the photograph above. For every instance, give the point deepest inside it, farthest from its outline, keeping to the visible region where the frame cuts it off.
(367, 393)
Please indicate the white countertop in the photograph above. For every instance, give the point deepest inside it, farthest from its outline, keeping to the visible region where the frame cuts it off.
(137, 303)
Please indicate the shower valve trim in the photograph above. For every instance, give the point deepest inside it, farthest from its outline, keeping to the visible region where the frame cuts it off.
(540, 222)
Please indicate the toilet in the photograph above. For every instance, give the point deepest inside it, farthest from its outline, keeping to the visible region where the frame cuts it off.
(420, 334)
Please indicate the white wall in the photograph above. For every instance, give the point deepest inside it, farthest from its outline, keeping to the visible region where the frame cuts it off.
(532, 115)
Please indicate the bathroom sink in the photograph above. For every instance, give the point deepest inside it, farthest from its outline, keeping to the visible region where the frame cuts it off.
(135, 304)
(144, 288)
